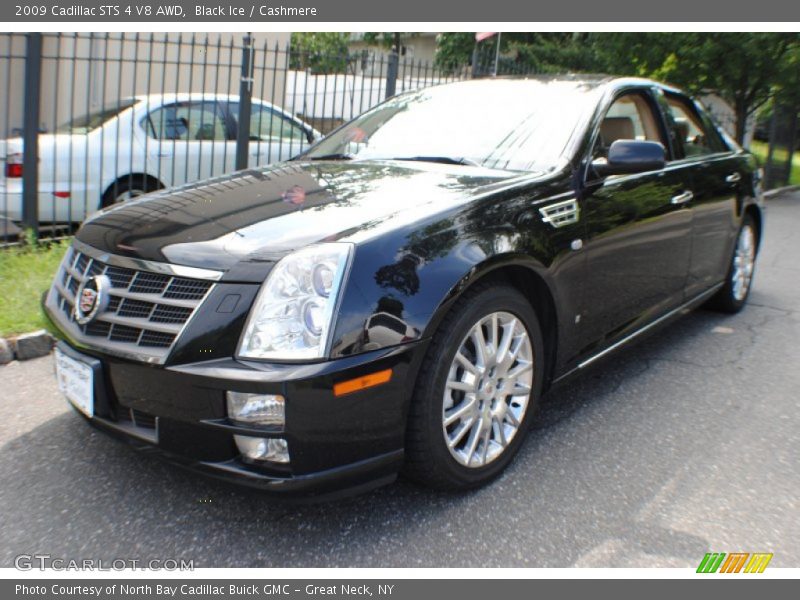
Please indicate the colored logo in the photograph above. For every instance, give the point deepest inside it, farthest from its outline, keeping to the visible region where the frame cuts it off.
(295, 195)
(91, 298)
(735, 562)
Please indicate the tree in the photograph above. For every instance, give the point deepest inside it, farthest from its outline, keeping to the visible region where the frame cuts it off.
(454, 49)
(320, 52)
(788, 88)
(390, 41)
(743, 68)
(539, 52)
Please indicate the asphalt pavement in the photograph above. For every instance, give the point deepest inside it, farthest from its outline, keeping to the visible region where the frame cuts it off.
(686, 443)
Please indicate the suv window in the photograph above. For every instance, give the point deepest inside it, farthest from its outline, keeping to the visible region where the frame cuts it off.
(199, 121)
(630, 117)
(693, 135)
(267, 125)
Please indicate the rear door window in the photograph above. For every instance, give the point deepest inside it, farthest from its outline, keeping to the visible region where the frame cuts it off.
(266, 125)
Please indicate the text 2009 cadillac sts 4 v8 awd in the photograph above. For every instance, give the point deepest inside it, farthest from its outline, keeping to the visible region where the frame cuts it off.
(400, 296)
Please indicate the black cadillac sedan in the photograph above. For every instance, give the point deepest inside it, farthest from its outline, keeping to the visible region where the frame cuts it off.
(400, 297)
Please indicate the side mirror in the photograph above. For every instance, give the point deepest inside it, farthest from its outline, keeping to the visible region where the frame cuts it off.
(311, 135)
(631, 156)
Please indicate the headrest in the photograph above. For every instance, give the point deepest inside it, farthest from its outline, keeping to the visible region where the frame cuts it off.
(682, 127)
(617, 128)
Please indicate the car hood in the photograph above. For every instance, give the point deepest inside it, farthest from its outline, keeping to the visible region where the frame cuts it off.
(258, 215)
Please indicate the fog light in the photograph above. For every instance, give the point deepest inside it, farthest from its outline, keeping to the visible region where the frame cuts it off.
(263, 449)
(256, 409)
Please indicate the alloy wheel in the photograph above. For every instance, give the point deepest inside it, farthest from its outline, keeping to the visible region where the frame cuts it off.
(743, 263)
(488, 389)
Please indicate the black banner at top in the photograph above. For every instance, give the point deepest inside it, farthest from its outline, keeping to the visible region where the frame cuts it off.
(443, 11)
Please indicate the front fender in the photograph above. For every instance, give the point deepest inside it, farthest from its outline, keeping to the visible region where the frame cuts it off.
(403, 283)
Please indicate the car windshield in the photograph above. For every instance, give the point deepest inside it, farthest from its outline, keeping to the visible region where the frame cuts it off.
(506, 124)
(85, 123)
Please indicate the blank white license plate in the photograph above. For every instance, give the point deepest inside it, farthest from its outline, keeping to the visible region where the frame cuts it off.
(76, 382)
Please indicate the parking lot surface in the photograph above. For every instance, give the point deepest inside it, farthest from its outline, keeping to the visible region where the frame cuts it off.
(684, 444)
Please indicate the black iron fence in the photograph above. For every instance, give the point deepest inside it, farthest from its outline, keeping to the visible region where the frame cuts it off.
(102, 118)
(87, 120)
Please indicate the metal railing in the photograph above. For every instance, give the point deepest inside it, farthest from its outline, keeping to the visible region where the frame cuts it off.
(105, 117)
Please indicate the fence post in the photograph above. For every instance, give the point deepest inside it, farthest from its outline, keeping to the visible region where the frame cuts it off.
(245, 97)
(391, 73)
(30, 156)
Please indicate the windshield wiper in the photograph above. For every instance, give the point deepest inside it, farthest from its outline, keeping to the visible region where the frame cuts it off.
(447, 160)
(334, 156)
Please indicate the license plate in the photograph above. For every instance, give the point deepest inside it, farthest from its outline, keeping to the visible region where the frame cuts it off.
(76, 382)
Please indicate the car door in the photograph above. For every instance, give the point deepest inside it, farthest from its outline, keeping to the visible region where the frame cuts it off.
(717, 175)
(273, 136)
(188, 142)
(638, 228)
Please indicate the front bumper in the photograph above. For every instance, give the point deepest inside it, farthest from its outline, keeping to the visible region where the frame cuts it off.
(336, 444)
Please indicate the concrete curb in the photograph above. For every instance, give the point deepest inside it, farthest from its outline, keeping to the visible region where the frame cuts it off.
(26, 346)
(778, 191)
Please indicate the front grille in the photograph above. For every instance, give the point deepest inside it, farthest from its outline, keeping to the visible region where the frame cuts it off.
(145, 312)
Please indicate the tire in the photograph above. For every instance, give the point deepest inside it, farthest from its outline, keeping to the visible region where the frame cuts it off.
(127, 188)
(429, 460)
(732, 297)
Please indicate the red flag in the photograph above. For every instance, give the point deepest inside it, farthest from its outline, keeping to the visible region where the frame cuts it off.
(479, 37)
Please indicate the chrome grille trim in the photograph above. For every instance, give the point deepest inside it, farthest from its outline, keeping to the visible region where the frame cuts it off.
(137, 264)
(141, 325)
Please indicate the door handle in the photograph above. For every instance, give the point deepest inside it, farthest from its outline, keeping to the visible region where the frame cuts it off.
(682, 198)
(733, 177)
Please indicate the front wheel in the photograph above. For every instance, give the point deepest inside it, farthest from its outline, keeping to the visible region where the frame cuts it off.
(477, 390)
(733, 294)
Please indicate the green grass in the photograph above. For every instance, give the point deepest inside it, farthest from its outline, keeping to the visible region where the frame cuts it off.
(761, 149)
(26, 272)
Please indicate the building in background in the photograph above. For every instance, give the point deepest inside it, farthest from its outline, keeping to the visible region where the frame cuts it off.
(419, 47)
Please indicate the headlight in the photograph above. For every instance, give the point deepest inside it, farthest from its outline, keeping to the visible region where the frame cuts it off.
(292, 316)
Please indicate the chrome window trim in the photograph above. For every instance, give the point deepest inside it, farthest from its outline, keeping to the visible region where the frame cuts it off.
(139, 264)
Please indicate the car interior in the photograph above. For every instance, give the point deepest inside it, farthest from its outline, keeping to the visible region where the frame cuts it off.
(629, 118)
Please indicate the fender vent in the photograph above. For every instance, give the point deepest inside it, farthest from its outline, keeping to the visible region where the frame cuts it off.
(561, 213)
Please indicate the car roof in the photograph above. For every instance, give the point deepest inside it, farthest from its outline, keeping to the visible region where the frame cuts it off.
(586, 80)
